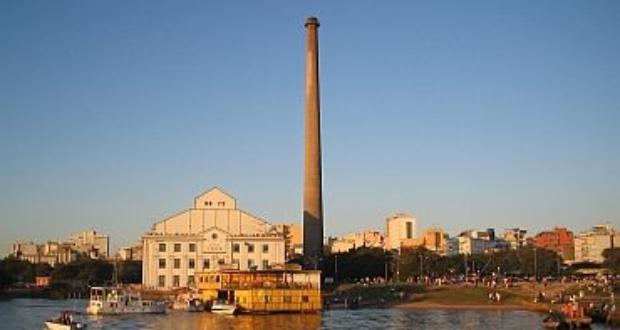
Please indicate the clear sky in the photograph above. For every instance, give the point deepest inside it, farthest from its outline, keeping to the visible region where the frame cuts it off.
(471, 114)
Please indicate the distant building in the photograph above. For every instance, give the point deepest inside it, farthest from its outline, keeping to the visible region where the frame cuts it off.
(589, 245)
(367, 238)
(52, 253)
(475, 242)
(91, 243)
(433, 239)
(515, 237)
(213, 235)
(399, 227)
(560, 240)
(293, 238)
(131, 252)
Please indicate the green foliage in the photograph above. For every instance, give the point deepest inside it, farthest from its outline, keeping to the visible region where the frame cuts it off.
(357, 264)
(13, 271)
(84, 272)
(364, 262)
(612, 259)
(129, 271)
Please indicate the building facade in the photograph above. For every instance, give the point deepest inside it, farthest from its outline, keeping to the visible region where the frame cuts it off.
(52, 253)
(589, 245)
(91, 243)
(560, 240)
(476, 242)
(433, 239)
(213, 235)
(399, 227)
(368, 238)
(293, 238)
(515, 237)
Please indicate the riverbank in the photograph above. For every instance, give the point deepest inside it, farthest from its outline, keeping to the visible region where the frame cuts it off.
(520, 297)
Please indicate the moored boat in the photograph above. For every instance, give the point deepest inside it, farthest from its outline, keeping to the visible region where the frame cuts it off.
(223, 307)
(118, 300)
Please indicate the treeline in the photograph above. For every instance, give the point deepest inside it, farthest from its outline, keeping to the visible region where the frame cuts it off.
(78, 274)
(412, 263)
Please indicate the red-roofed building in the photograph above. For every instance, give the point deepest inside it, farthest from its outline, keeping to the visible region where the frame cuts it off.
(559, 239)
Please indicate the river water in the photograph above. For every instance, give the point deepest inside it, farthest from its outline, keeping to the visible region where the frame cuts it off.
(30, 313)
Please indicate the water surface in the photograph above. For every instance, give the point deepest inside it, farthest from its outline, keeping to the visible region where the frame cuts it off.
(30, 314)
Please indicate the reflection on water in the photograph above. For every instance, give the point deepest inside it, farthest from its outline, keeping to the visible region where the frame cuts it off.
(30, 314)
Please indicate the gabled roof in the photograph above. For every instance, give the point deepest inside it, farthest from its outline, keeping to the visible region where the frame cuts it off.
(212, 189)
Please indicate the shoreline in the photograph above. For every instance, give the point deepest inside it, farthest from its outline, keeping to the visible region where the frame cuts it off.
(429, 305)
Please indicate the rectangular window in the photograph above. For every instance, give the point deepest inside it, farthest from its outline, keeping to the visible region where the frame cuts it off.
(250, 263)
(250, 248)
(176, 281)
(190, 280)
(265, 264)
(206, 264)
(235, 262)
(162, 247)
(192, 263)
(236, 247)
(161, 281)
(177, 247)
(287, 299)
(305, 299)
(192, 247)
(409, 230)
(177, 263)
(265, 248)
(221, 262)
(162, 263)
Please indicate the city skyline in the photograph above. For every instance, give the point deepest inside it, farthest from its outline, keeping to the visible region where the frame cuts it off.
(478, 116)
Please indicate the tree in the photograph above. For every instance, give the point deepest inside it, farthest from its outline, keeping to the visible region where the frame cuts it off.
(130, 271)
(612, 259)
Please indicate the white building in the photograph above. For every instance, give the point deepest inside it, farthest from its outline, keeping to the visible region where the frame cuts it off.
(589, 245)
(515, 237)
(399, 227)
(475, 242)
(52, 253)
(213, 234)
(367, 238)
(91, 243)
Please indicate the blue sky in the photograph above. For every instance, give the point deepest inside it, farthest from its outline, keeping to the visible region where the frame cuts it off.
(115, 114)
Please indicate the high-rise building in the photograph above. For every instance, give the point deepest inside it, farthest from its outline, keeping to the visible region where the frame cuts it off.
(433, 239)
(515, 237)
(399, 227)
(313, 190)
(368, 238)
(589, 245)
(559, 239)
(91, 243)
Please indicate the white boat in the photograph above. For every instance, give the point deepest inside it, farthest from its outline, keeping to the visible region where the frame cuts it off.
(117, 300)
(224, 308)
(64, 322)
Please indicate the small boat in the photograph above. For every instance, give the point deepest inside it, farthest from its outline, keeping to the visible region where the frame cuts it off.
(64, 322)
(195, 305)
(118, 300)
(554, 320)
(224, 308)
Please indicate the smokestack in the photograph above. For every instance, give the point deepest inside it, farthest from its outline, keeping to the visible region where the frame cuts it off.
(313, 196)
